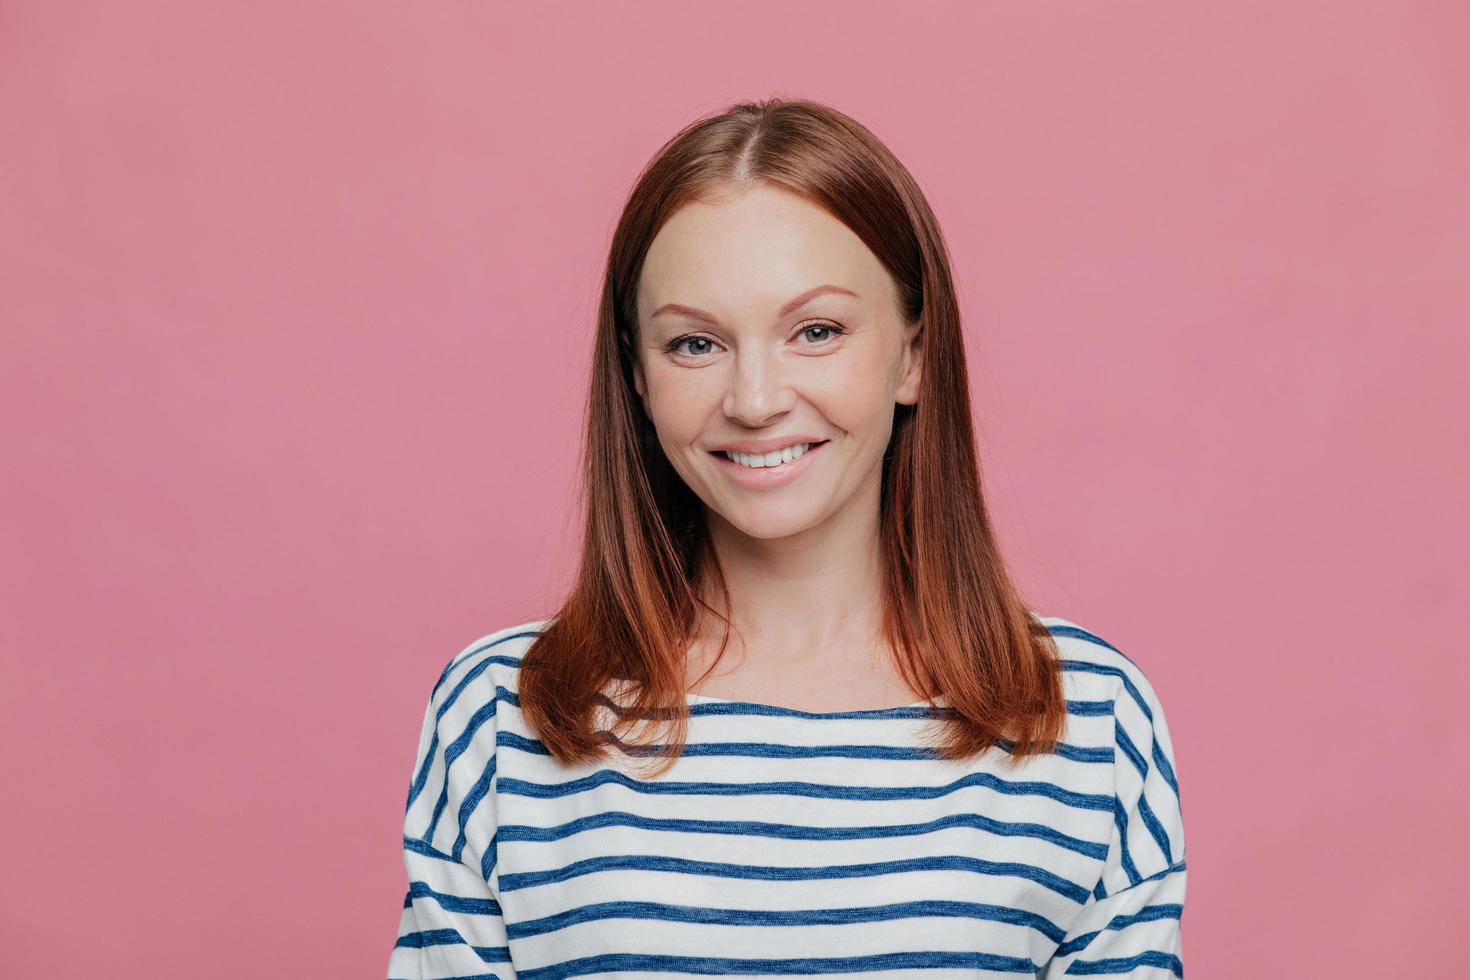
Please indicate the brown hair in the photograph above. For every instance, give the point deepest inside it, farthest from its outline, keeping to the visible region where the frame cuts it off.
(951, 611)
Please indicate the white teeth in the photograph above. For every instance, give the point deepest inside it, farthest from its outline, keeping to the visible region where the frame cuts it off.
(776, 458)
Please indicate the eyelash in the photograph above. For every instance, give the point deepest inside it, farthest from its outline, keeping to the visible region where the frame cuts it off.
(834, 329)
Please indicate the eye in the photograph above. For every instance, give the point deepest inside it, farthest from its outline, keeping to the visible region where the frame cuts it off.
(833, 330)
(687, 338)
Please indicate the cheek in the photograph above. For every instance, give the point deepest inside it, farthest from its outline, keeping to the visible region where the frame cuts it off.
(678, 405)
(857, 400)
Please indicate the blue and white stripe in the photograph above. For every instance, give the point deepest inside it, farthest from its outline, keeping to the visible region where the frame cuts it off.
(789, 843)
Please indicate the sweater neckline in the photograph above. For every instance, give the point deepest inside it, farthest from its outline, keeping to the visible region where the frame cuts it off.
(724, 706)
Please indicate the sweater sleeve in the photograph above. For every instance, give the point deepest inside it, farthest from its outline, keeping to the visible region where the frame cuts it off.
(1131, 924)
(452, 924)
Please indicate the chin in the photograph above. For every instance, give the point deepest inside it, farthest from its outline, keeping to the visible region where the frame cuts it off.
(771, 527)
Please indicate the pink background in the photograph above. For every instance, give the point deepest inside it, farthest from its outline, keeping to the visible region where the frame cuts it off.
(297, 303)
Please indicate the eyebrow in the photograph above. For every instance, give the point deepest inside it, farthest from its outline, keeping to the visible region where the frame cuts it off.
(790, 307)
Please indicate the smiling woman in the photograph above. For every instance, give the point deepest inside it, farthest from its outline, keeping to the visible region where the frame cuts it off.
(907, 769)
(775, 362)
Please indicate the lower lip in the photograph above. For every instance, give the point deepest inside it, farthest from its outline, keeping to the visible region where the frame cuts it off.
(765, 477)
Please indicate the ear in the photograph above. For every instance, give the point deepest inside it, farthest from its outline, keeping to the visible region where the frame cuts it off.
(913, 348)
(638, 381)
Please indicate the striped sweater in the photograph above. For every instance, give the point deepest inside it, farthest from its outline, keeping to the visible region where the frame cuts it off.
(787, 842)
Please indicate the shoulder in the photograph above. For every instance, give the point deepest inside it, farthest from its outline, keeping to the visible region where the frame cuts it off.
(483, 673)
(1101, 679)
(1149, 814)
(1096, 669)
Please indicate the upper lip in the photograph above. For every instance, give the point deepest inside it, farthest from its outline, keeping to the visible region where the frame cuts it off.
(755, 447)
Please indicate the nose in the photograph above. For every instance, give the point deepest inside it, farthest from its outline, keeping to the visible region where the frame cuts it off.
(759, 389)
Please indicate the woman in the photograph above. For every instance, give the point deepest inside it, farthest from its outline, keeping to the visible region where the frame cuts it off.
(901, 768)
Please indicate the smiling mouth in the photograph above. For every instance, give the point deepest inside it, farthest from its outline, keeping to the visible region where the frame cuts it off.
(758, 466)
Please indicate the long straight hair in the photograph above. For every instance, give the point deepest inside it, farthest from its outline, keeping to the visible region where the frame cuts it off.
(952, 615)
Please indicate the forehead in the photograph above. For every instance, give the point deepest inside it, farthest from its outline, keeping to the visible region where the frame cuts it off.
(752, 249)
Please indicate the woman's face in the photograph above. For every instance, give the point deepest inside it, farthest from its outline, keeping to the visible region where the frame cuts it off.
(726, 357)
